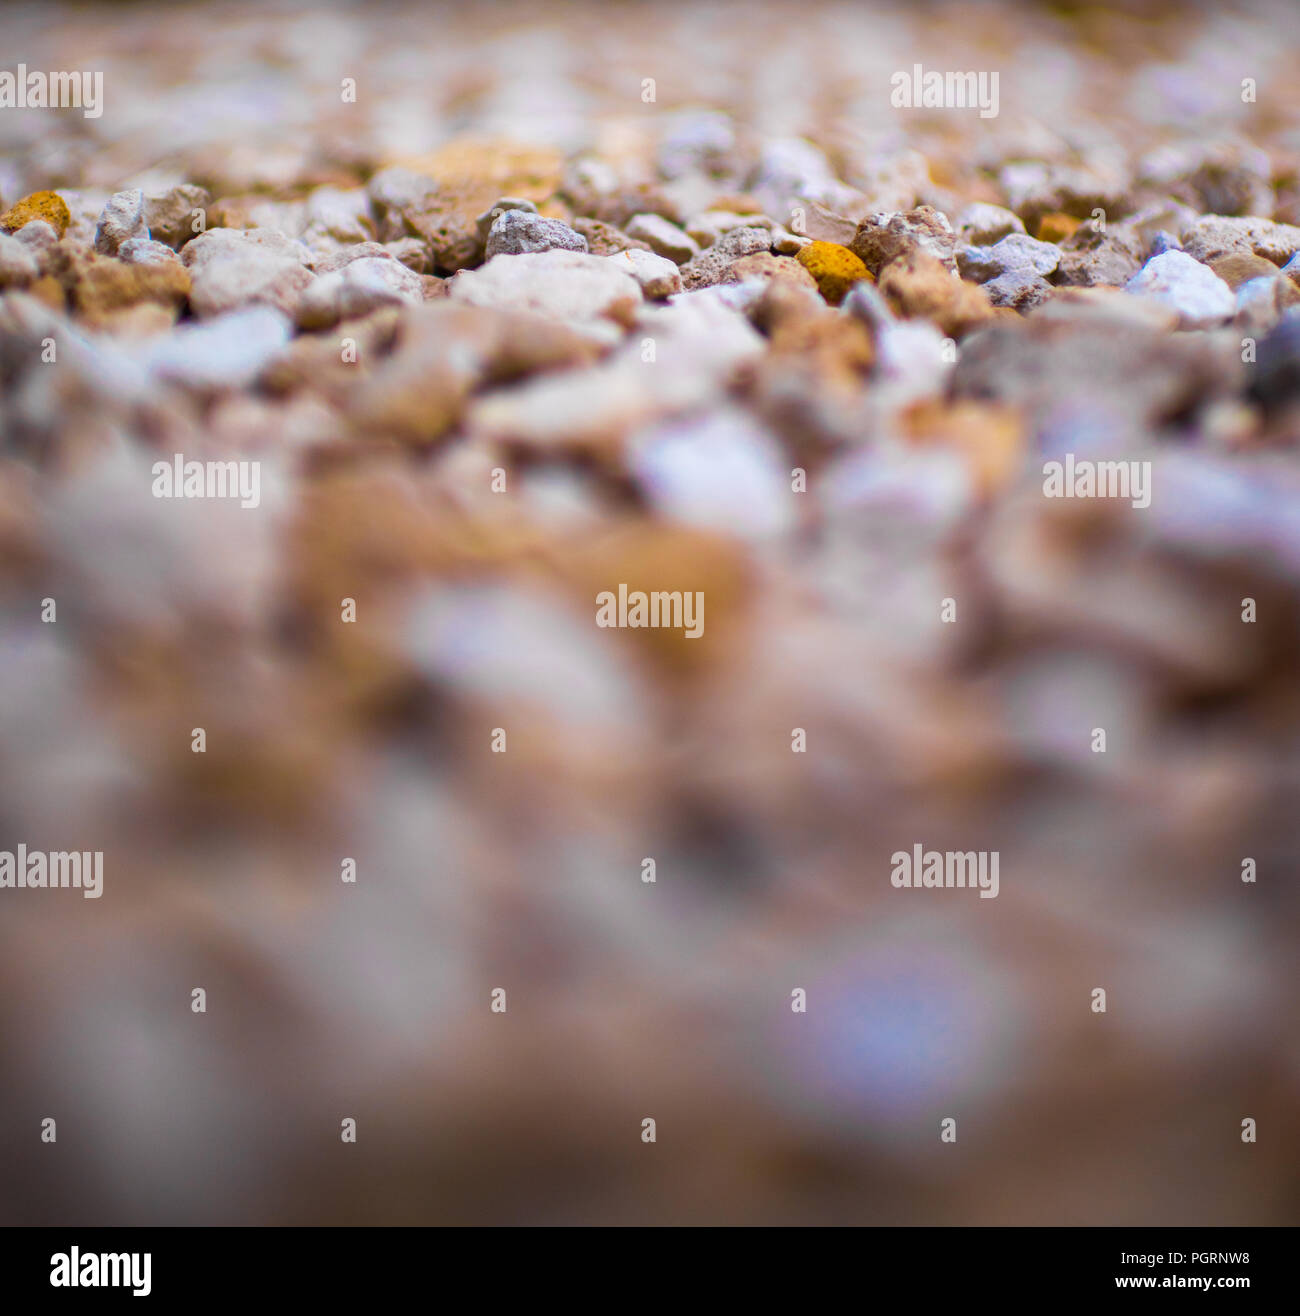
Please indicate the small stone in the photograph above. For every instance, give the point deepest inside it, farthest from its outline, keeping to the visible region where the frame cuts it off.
(226, 352)
(1056, 227)
(1175, 279)
(982, 224)
(710, 225)
(1162, 242)
(1095, 257)
(170, 215)
(1016, 254)
(232, 268)
(918, 286)
(710, 266)
(1275, 380)
(98, 285)
(662, 237)
(1213, 236)
(358, 288)
(770, 268)
(881, 238)
(18, 263)
(121, 220)
(658, 276)
(145, 251)
(1106, 304)
(723, 471)
(834, 268)
(337, 214)
(515, 232)
(1259, 305)
(605, 239)
(47, 206)
(498, 208)
(822, 224)
(570, 286)
(1241, 267)
(37, 236)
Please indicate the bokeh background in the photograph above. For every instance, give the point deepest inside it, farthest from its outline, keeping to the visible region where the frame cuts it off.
(523, 870)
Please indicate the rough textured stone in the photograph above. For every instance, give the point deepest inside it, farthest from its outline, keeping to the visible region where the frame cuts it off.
(47, 206)
(606, 240)
(658, 276)
(917, 285)
(1213, 236)
(711, 264)
(515, 232)
(562, 285)
(170, 214)
(121, 220)
(231, 268)
(360, 287)
(882, 238)
(982, 224)
(767, 266)
(1199, 296)
(1092, 256)
(662, 237)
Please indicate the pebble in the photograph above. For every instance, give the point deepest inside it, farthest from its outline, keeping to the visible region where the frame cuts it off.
(918, 285)
(1012, 270)
(226, 352)
(710, 266)
(721, 471)
(1213, 236)
(766, 266)
(1178, 281)
(231, 268)
(515, 232)
(1016, 254)
(121, 220)
(1095, 257)
(483, 223)
(37, 236)
(662, 237)
(570, 286)
(882, 238)
(18, 263)
(982, 224)
(47, 206)
(360, 287)
(658, 276)
(1055, 227)
(835, 269)
(605, 239)
(171, 213)
(1241, 267)
(145, 251)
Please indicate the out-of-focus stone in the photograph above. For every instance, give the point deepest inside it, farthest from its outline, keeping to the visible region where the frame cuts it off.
(917, 285)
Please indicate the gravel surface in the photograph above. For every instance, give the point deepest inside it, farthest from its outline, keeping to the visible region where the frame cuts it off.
(359, 371)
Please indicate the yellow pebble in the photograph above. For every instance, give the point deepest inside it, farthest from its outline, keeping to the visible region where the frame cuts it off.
(835, 268)
(49, 206)
(1056, 227)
